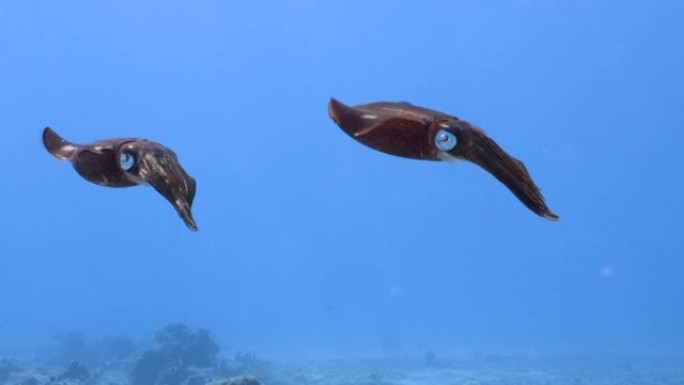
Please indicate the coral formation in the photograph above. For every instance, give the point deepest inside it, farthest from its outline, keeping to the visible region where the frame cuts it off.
(174, 356)
(7, 367)
(71, 346)
(245, 364)
(30, 378)
(107, 351)
(242, 380)
(194, 349)
(75, 372)
(112, 349)
(431, 359)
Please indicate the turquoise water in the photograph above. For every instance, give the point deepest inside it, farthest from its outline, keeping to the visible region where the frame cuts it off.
(312, 246)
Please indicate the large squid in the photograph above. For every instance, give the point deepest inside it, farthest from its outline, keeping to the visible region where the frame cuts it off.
(409, 131)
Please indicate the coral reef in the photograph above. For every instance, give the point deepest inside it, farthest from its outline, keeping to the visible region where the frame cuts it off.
(372, 379)
(75, 372)
(111, 349)
(174, 357)
(194, 349)
(7, 367)
(71, 346)
(36, 377)
(177, 355)
(431, 359)
(245, 365)
(242, 380)
(107, 351)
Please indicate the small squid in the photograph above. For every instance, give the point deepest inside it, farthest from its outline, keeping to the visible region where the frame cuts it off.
(126, 162)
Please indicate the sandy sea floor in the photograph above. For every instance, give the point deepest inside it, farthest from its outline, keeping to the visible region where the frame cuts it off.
(429, 370)
(178, 355)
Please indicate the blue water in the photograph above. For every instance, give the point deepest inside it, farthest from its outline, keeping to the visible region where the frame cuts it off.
(311, 245)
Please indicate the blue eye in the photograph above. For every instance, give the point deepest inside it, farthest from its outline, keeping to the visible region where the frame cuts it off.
(126, 161)
(445, 141)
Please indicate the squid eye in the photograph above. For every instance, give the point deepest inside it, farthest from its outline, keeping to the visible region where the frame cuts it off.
(126, 161)
(445, 141)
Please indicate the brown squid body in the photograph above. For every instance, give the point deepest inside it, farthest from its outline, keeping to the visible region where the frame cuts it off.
(125, 162)
(409, 131)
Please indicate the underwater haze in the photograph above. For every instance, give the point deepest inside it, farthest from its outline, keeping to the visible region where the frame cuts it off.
(312, 246)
